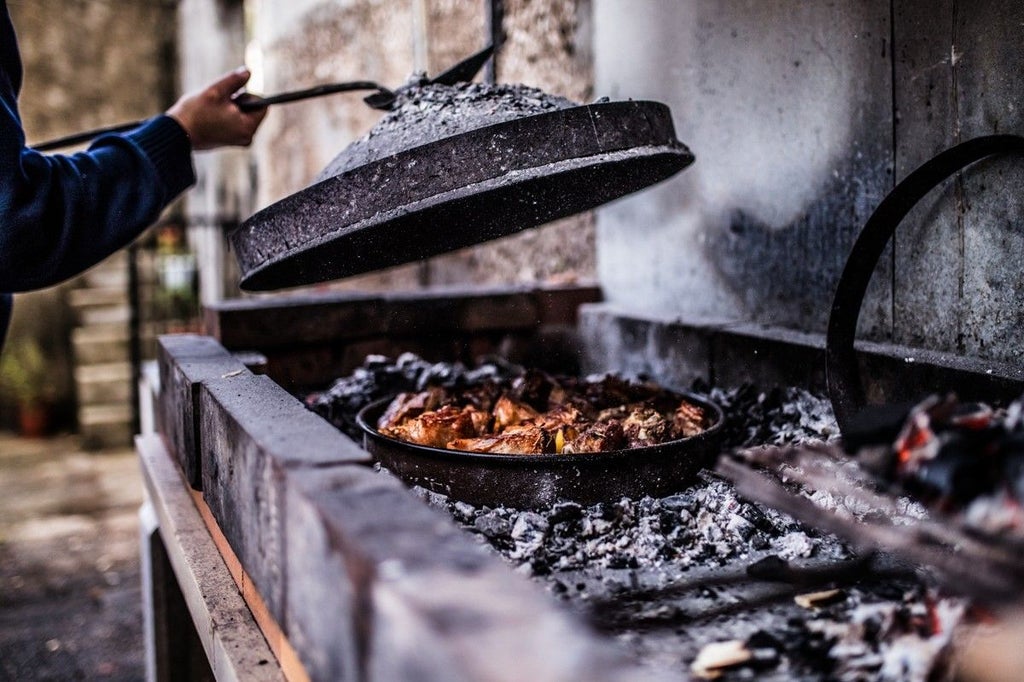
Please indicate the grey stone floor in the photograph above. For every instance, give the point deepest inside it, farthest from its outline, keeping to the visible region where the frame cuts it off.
(70, 601)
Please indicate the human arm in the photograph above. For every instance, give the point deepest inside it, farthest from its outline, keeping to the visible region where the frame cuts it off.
(211, 118)
(62, 214)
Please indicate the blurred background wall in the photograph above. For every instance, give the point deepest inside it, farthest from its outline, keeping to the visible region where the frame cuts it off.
(87, 63)
(802, 117)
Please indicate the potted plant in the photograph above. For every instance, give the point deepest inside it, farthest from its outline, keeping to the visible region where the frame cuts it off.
(25, 377)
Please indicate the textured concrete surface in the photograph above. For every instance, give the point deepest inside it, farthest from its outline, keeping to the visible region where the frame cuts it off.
(70, 601)
(802, 116)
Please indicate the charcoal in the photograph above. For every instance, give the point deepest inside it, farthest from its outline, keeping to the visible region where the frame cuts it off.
(668, 575)
(493, 526)
(565, 511)
(771, 567)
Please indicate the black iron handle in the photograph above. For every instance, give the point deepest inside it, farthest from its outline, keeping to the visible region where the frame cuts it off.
(841, 371)
(250, 102)
(381, 99)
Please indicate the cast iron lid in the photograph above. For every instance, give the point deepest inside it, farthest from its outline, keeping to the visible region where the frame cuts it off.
(454, 166)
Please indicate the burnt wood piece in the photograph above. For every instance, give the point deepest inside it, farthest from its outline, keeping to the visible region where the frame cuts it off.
(538, 481)
(252, 430)
(185, 362)
(459, 191)
(964, 561)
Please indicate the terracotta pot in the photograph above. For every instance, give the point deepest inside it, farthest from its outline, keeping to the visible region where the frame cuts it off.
(33, 419)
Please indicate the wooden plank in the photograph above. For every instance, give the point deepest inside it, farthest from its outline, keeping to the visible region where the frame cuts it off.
(234, 645)
(286, 655)
(174, 650)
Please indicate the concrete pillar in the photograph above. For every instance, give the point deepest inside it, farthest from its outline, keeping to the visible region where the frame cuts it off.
(212, 42)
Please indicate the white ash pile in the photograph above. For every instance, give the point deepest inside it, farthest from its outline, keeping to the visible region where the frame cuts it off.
(671, 576)
(705, 525)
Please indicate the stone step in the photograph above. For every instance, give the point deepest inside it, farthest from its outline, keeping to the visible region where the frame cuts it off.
(105, 426)
(107, 383)
(97, 297)
(100, 343)
(104, 315)
(111, 273)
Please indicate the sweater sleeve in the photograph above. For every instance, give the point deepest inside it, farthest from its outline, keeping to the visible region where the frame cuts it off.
(59, 215)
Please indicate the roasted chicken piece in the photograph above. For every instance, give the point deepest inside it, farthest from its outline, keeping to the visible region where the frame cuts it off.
(597, 437)
(687, 420)
(645, 426)
(560, 417)
(407, 406)
(515, 440)
(508, 412)
(439, 427)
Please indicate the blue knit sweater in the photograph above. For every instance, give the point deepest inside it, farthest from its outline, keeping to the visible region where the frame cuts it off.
(60, 215)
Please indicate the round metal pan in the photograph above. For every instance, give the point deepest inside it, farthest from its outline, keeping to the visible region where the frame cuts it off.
(538, 481)
(458, 191)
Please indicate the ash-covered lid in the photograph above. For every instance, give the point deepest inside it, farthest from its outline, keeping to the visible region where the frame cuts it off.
(428, 112)
(453, 166)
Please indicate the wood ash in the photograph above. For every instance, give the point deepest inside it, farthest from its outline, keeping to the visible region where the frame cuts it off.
(675, 577)
(425, 112)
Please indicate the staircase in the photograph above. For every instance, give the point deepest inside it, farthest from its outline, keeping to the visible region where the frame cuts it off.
(102, 361)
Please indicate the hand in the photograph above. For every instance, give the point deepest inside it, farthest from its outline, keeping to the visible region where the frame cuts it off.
(212, 119)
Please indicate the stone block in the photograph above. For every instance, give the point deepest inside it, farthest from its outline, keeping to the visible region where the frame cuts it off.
(250, 432)
(105, 426)
(100, 344)
(106, 383)
(185, 361)
(768, 356)
(410, 596)
(261, 324)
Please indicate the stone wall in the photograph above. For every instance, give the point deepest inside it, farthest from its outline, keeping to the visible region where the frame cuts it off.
(802, 117)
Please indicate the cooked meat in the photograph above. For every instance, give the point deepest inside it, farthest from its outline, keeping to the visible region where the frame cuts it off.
(687, 420)
(436, 428)
(482, 396)
(508, 412)
(646, 426)
(539, 414)
(597, 437)
(409, 406)
(560, 417)
(517, 440)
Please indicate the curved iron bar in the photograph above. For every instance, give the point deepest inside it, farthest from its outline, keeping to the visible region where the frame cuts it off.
(842, 373)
